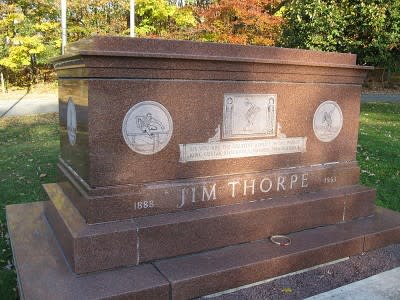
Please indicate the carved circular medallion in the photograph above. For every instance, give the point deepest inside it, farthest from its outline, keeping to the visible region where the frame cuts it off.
(328, 121)
(71, 121)
(147, 127)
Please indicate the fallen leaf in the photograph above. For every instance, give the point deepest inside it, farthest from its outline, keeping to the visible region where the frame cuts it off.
(287, 290)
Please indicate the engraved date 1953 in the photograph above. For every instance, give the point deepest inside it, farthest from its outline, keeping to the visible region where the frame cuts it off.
(330, 179)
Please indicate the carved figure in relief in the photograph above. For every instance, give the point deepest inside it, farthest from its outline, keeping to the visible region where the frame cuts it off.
(251, 113)
(327, 118)
(327, 121)
(147, 127)
(152, 127)
(270, 118)
(229, 112)
(148, 124)
(71, 121)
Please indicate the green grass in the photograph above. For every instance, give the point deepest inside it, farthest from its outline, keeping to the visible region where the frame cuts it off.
(29, 148)
(378, 151)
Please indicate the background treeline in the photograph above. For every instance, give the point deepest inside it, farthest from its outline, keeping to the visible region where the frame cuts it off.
(30, 32)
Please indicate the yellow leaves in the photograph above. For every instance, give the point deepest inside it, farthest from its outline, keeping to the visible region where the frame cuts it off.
(8, 63)
(259, 40)
(159, 18)
(46, 26)
(30, 44)
(287, 290)
(20, 51)
(184, 18)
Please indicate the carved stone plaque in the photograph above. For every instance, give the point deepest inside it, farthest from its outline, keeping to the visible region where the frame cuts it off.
(243, 148)
(147, 127)
(71, 121)
(249, 115)
(328, 121)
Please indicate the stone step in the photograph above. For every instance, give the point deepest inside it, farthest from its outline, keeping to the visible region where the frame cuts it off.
(217, 270)
(37, 252)
(102, 246)
(209, 228)
(44, 274)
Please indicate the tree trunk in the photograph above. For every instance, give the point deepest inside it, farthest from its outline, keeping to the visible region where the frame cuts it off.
(33, 69)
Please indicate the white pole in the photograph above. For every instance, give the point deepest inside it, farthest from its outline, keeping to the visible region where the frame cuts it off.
(63, 25)
(132, 18)
(3, 88)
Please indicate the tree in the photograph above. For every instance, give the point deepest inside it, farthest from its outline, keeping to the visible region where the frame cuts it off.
(152, 18)
(160, 18)
(238, 22)
(97, 17)
(368, 28)
(30, 29)
(29, 36)
(181, 3)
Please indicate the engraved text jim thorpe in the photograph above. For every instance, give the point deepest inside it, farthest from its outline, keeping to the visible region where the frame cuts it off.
(247, 187)
(237, 189)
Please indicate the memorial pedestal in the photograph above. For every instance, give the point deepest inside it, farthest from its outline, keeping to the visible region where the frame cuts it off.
(43, 272)
(179, 160)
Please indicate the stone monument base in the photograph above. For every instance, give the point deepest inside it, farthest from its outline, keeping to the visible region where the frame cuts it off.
(36, 252)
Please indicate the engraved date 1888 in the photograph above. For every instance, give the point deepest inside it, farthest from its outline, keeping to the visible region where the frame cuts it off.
(144, 204)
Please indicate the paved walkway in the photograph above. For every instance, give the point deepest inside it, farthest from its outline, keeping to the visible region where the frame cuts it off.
(383, 286)
(377, 272)
(45, 103)
(380, 98)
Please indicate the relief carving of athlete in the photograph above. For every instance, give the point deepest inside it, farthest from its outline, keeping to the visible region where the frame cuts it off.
(148, 124)
(251, 113)
(327, 118)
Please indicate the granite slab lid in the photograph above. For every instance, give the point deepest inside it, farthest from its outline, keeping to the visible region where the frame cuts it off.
(189, 50)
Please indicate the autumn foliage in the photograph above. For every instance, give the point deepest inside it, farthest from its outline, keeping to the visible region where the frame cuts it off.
(30, 32)
(238, 22)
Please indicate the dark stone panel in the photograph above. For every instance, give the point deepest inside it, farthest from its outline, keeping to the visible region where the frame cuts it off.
(77, 155)
(112, 162)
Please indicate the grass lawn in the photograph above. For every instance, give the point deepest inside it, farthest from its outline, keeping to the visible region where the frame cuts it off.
(378, 151)
(29, 148)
